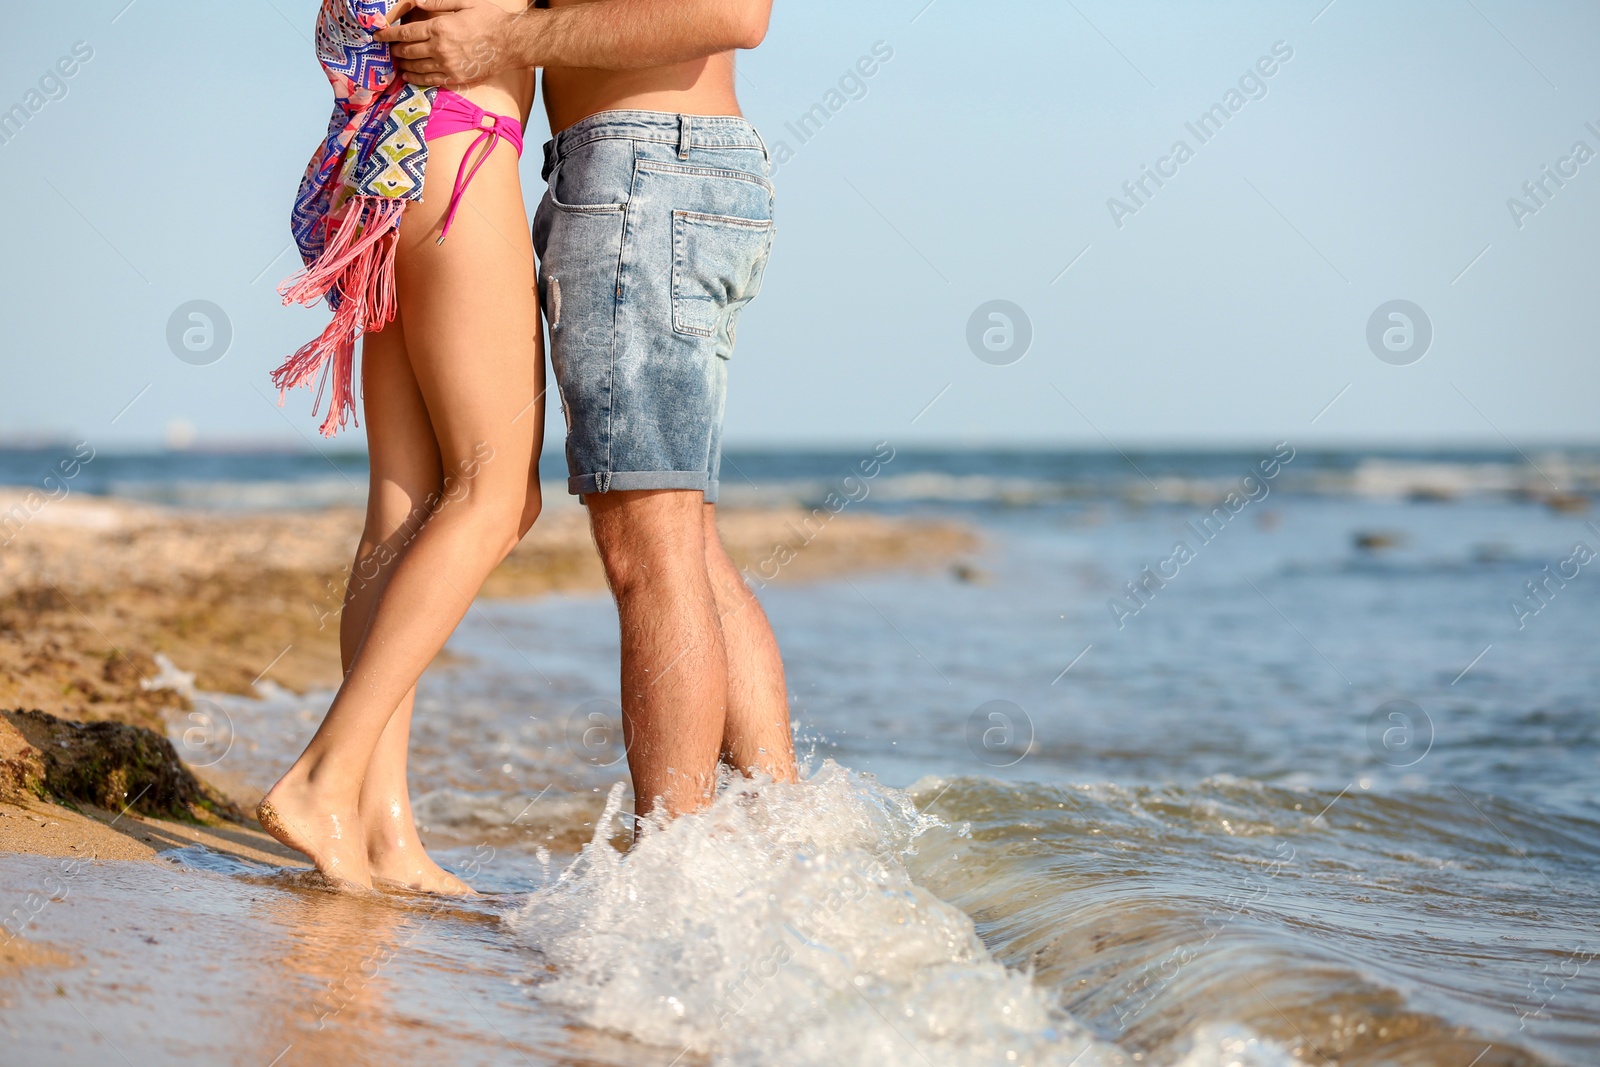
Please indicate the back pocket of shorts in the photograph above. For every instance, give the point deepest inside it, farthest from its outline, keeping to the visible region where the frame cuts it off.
(717, 262)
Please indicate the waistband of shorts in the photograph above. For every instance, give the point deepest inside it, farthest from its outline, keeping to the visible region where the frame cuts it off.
(664, 127)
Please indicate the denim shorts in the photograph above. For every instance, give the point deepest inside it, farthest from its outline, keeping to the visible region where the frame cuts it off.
(652, 236)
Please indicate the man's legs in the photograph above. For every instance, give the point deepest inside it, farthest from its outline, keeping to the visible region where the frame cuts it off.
(674, 667)
(756, 735)
(652, 238)
(701, 672)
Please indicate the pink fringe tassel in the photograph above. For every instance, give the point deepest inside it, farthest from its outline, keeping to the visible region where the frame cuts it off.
(358, 262)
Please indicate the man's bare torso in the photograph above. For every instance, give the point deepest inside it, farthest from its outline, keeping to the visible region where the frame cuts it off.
(698, 87)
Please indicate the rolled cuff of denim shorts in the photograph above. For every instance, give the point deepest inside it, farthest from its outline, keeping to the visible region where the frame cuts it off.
(622, 481)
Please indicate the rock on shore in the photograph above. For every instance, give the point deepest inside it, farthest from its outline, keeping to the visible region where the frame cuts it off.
(111, 765)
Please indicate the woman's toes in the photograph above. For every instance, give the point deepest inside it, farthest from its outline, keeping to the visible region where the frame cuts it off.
(416, 871)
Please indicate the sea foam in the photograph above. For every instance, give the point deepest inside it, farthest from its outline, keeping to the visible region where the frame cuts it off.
(781, 926)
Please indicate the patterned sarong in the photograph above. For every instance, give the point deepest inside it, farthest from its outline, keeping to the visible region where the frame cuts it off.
(347, 211)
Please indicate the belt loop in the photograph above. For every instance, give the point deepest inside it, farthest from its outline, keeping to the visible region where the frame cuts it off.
(683, 136)
(552, 160)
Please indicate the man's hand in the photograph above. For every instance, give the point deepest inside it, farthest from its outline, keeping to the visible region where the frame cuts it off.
(464, 41)
(460, 42)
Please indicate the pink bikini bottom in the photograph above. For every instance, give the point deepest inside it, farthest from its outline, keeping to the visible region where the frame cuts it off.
(453, 113)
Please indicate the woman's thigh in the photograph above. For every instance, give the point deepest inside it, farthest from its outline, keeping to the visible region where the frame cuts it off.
(471, 315)
(402, 452)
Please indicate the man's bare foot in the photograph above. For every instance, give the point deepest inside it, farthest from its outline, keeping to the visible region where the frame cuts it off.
(396, 858)
(330, 839)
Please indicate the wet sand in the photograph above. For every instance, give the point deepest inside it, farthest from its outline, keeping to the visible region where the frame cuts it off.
(41, 828)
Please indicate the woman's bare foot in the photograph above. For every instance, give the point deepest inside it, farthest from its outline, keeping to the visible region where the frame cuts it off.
(329, 837)
(395, 855)
(418, 872)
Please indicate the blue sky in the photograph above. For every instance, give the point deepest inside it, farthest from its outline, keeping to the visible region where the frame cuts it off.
(976, 163)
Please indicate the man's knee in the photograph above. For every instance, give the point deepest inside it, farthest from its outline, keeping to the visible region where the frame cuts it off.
(633, 563)
(647, 541)
(717, 556)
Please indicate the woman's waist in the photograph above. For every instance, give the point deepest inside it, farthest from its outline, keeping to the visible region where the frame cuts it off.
(509, 94)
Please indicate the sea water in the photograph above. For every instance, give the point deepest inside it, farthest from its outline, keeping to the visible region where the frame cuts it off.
(1320, 792)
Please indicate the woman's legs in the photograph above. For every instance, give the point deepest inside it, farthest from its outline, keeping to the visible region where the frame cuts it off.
(471, 336)
(405, 473)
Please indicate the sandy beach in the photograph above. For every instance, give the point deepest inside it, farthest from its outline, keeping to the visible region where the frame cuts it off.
(119, 611)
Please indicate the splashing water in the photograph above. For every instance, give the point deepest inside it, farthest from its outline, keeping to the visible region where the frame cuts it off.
(781, 926)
